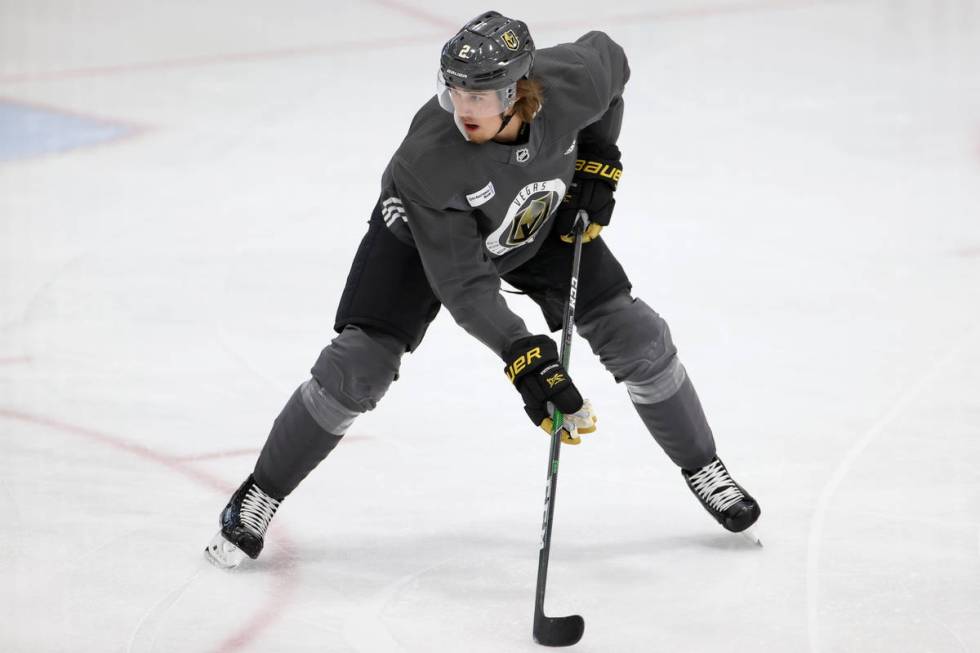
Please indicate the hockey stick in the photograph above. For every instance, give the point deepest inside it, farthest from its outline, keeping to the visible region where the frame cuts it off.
(558, 631)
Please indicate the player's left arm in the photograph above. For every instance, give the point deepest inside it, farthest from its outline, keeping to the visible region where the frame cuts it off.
(598, 166)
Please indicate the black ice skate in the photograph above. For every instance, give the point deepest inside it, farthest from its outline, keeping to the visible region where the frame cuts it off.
(243, 524)
(723, 498)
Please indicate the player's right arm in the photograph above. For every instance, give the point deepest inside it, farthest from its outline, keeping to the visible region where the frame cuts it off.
(464, 279)
(462, 276)
(456, 263)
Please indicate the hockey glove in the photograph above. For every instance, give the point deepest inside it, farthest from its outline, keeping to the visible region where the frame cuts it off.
(597, 173)
(544, 384)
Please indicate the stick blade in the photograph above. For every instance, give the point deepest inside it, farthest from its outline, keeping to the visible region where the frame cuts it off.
(558, 631)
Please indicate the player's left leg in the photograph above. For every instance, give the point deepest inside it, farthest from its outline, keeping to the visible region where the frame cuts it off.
(633, 342)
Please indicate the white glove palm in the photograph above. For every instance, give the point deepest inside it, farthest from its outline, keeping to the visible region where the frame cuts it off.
(574, 424)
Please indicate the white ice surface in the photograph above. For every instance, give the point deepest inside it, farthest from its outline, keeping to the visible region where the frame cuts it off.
(801, 201)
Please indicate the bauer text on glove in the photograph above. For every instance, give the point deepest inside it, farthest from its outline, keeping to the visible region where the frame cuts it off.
(597, 173)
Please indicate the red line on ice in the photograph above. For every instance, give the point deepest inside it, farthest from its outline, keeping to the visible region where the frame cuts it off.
(411, 10)
(231, 453)
(210, 60)
(16, 360)
(386, 43)
(705, 11)
(283, 580)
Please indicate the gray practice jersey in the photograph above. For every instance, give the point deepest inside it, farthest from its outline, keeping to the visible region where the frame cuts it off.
(475, 212)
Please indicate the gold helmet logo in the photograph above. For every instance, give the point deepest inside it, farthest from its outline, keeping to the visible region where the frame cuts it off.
(530, 220)
(510, 40)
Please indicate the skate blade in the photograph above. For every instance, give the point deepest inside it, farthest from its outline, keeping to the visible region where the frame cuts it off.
(222, 553)
(749, 534)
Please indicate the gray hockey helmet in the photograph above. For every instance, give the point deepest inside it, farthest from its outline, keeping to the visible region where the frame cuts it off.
(491, 52)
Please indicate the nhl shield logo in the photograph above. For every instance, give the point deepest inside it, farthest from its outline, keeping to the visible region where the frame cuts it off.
(522, 155)
(510, 40)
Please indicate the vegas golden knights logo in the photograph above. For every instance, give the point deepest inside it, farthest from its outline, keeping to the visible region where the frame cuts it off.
(526, 215)
(510, 40)
(530, 220)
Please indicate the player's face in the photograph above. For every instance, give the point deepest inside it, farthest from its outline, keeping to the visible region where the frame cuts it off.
(477, 113)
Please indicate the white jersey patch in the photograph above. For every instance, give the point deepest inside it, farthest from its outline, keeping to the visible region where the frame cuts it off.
(571, 147)
(392, 209)
(526, 214)
(481, 196)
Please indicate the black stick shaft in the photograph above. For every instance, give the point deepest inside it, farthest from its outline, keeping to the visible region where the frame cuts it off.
(557, 420)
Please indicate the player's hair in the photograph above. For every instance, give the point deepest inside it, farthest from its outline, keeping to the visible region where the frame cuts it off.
(530, 96)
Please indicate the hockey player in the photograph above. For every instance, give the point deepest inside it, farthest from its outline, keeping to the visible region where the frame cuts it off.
(485, 187)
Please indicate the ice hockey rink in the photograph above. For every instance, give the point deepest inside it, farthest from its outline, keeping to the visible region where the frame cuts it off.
(183, 186)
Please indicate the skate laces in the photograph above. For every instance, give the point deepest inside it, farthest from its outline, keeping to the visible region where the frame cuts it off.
(715, 486)
(257, 510)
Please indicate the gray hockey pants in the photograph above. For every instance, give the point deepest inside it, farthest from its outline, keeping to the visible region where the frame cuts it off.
(353, 373)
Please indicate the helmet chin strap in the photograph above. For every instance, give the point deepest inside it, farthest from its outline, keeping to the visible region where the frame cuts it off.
(505, 118)
(504, 121)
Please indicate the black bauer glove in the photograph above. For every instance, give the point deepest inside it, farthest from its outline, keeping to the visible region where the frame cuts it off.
(597, 173)
(534, 369)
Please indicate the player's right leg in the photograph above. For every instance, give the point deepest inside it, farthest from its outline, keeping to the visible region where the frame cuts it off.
(385, 309)
(350, 377)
